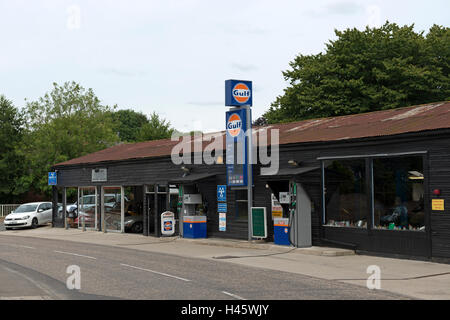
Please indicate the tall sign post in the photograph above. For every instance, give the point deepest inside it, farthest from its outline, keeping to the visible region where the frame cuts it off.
(239, 96)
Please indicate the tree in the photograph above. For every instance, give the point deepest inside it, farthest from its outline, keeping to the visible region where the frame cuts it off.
(156, 128)
(362, 71)
(11, 130)
(66, 123)
(261, 121)
(128, 124)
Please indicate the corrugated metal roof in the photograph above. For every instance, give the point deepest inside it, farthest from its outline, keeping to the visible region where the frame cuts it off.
(380, 123)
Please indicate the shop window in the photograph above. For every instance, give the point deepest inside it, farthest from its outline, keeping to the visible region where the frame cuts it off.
(345, 193)
(112, 206)
(241, 197)
(398, 193)
(162, 189)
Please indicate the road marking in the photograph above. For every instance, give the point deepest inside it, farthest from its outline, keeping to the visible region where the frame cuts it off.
(233, 295)
(16, 245)
(25, 247)
(160, 273)
(75, 254)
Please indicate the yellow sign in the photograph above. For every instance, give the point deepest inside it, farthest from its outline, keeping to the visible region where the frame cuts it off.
(437, 204)
(277, 212)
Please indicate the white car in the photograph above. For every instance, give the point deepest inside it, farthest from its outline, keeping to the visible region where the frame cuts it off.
(29, 215)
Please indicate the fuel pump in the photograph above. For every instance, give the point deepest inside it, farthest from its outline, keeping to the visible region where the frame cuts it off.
(179, 209)
(292, 211)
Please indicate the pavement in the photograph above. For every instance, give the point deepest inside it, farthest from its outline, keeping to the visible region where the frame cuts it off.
(410, 278)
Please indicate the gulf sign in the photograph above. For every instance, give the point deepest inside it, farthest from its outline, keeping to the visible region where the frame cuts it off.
(238, 93)
(235, 123)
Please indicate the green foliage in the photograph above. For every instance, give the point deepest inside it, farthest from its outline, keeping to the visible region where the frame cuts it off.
(11, 122)
(362, 71)
(156, 128)
(66, 123)
(128, 124)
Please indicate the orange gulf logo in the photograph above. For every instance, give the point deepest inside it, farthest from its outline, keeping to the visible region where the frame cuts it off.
(241, 93)
(234, 125)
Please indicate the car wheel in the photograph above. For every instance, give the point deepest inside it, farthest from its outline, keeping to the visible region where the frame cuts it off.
(137, 227)
(34, 223)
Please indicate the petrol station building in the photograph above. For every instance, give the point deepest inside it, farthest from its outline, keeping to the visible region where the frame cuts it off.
(376, 182)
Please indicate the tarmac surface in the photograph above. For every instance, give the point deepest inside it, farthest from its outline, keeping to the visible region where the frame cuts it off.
(130, 266)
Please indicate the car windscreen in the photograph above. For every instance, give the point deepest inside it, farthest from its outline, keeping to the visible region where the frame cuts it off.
(26, 208)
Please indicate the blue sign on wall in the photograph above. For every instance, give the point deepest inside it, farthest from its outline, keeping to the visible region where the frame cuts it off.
(236, 147)
(52, 179)
(221, 207)
(238, 93)
(222, 193)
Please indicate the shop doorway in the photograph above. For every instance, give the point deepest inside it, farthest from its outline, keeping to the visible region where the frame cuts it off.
(160, 198)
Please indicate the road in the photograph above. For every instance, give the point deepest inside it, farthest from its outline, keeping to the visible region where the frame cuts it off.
(37, 268)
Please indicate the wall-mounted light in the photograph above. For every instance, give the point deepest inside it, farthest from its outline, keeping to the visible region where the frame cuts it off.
(437, 192)
(415, 175)
(293, 162)
(219, 160)
(185, 169)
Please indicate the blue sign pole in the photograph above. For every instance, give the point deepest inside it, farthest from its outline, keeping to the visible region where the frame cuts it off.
(239, 94)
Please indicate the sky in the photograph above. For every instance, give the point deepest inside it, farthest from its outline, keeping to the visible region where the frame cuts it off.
(173, 57)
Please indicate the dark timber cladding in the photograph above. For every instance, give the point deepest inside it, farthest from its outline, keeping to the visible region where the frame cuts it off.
(376, 139)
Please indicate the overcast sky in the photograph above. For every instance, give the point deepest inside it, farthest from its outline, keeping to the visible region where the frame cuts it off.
(173, 57)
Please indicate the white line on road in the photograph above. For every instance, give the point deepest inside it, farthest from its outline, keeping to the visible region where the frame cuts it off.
(160, 273)
(75, 254)
(233, 295)
(25, 247)
(17, 245)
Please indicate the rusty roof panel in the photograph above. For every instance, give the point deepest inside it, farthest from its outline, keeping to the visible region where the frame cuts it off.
(380, 123)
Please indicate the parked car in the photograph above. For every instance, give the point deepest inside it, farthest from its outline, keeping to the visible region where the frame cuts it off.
(88, 211)
(134, 223)
(89, 219)
(29, 215)
(89, 202)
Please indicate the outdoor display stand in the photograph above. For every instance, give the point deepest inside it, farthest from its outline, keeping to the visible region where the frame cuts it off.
(167, 223)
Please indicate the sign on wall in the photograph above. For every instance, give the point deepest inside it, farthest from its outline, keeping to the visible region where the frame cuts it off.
(52, 179)
(437, 204)
(222, 207)
(222, 193)
(222, 221)
(259, 222)
(99, 175)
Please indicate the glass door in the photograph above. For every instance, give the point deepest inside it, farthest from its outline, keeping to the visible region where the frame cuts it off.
(113, 208)
(87, 207)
